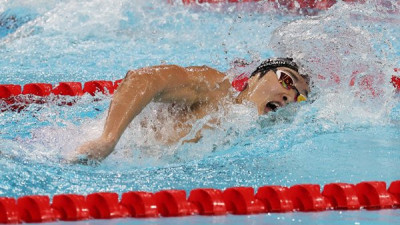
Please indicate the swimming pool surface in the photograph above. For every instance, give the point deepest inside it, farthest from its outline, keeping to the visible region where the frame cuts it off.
(343, 134)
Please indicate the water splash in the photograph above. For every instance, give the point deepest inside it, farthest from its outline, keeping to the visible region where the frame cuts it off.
(350, 61)
(73, 40)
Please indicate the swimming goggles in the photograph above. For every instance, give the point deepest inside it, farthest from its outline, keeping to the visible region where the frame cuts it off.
(286, 80)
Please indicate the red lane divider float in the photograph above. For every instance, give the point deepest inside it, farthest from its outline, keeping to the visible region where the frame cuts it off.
(38, 89)
(140, 204)
(275, 198)
(208, 201)
(396, 79)
(394, 190)
(9, 211)
(308, 197)
(241, 200)
(68, 88)
(9, 90)
(202, 201)
(35, 209)
(174, 203)
(14, 97)
(70, 207)
(366, 82)
(290, 4)
(373, 195)
(105, 205)
(105, 87)
(342, 196)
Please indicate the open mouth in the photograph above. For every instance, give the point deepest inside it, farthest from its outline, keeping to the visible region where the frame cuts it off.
(271, 106)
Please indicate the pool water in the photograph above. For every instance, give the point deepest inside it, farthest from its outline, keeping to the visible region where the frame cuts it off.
(343, 134)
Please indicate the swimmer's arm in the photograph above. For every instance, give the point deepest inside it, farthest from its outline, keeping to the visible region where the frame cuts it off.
(138, 89)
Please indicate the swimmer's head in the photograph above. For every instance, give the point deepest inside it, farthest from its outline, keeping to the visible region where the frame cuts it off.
(275, 83)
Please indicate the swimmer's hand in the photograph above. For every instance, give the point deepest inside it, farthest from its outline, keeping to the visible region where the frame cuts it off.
(95, 151)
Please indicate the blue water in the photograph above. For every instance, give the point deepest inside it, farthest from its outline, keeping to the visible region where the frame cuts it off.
(343, 134)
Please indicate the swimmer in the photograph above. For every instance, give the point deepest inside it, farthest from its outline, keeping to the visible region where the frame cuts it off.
(198, 90)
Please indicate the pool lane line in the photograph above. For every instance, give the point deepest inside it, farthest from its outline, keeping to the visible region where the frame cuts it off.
(369, 195)
(292, 5)
(16, 98)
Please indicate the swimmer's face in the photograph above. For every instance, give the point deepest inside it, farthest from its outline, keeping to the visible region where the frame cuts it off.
(268, 93)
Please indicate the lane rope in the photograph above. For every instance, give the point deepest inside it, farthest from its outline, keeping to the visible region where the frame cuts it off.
(16, 98)
(291, 5)
(370, 195)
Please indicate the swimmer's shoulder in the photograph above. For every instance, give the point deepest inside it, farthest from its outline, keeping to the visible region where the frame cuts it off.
(205, 72)
(191, 71)
(197, 76)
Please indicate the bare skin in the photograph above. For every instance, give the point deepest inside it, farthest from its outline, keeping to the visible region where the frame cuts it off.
(201, 89)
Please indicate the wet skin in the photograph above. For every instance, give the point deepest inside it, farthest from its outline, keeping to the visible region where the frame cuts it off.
(198, 90)
(268, 94)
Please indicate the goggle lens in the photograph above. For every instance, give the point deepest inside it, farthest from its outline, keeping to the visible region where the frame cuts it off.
(286, 80)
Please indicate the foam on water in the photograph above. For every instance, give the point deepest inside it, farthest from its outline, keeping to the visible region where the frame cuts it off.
(101, 39)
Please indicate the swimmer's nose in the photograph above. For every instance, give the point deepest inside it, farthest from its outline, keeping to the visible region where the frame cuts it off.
(285, 100)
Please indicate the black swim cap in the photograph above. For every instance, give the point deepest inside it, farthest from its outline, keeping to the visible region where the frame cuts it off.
(273, 63)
